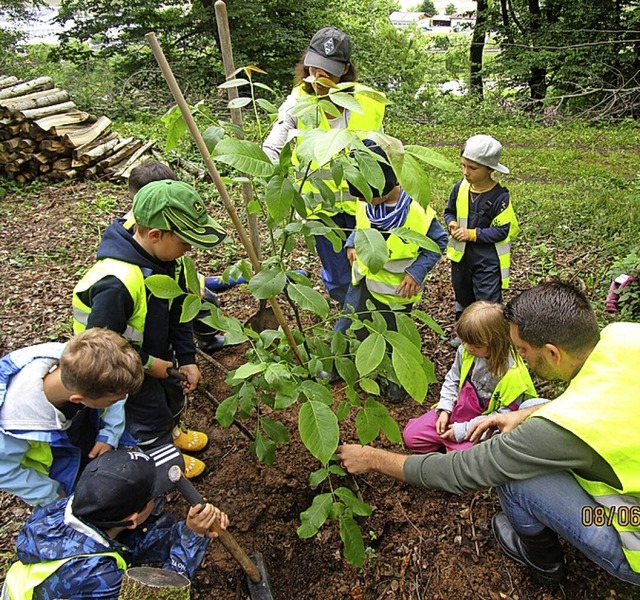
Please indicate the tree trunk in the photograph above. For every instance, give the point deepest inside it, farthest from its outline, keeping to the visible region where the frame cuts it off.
(146, 583)
(477, 49)
(538, 73)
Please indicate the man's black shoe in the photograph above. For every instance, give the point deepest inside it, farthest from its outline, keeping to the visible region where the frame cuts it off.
(542, 553)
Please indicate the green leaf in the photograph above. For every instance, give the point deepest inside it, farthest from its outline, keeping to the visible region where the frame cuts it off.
(357, 506)
(313, 390)
(391, 430)
(344, 408)
(226, 412)
(238, 102)
(371, 170)
(317, 477)
(413, 179)
(163, 286)
(407, 328)
(190, 308)
(370, 386)
(409, 371)
(245, 156)
(176, 127)
(279, 197)
(336, 470)
(264, 449)
(368, 424)
(267, 106)
(435, 159)
(337, 172)
(351, 537)
(314, 517)
(212, 136)
(370, 353)
(276, 372)
(267, 283)
(318, 428)
(331, 143)
(346, 101)
(275, 430)
(309, 299)
(414, 237)
(427, 320)
(346, 369)
(191, 275)
(356, 178)
(371, 248)
(233, 83)
(247, 370)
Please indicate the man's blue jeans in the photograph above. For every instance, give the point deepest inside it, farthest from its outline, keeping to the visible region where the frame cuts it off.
(557, 501)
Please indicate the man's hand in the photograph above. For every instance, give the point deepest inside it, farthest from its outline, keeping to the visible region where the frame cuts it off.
(202, 520)
(409, 287)
(362, 459)
(98, 449)
(501, 422)
(351, 254)
(192, 373)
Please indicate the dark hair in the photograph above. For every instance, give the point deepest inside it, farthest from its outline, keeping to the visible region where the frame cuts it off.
(301, 72)
(151, 170)
(555, 313)
(482, 324)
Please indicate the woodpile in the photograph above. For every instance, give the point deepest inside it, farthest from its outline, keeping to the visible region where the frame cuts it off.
(43, 135)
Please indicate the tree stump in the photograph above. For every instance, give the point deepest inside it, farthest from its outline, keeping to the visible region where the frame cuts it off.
(147, 583)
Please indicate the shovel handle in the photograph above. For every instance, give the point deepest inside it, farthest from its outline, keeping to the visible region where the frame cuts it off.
(193, 497)
(173, 372)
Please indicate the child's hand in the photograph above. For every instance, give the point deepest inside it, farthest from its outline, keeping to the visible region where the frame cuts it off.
(409, 287)
(442, 422)
(98, 449)
(461, 234)
(448, 434)
(192, 373)
(202, 520)
(351, 254)
(453, 226)
(159, 368)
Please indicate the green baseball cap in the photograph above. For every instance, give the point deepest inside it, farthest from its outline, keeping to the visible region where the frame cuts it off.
(176, 206)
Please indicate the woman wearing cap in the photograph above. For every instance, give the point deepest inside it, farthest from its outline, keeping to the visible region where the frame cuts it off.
(328, 57)
(481, 224)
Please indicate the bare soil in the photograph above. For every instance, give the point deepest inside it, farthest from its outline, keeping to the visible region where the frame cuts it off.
(421, 544)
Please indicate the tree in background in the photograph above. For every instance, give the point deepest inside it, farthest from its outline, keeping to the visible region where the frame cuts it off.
(450, 9)
(579, 55)
(427, 6)
(15, 11)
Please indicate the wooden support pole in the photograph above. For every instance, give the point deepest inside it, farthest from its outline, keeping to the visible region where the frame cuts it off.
(220, 186)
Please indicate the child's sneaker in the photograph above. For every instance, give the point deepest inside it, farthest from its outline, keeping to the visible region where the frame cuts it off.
(193, 467)
(189, 440)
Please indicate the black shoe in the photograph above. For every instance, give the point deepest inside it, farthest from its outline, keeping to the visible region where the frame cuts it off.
(210, 343)
(542, 553)
(395, 393)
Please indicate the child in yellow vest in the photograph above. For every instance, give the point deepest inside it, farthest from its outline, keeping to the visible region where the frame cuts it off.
(487, 376)
(481, 223)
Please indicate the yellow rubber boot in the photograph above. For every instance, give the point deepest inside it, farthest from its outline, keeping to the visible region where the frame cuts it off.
(189, 440)
(193, 467)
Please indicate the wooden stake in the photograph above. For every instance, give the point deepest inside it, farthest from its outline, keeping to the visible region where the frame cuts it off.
(213, 171)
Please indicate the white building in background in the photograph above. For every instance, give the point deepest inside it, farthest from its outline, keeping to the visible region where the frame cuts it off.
(402, 20)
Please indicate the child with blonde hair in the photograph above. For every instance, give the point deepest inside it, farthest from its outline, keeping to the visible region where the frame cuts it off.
(487, 376)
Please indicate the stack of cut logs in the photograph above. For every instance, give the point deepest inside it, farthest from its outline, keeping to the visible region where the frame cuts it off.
(44, 136)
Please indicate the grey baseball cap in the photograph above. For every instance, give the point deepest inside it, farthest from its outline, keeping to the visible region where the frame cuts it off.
(485, 150)
(329, 50)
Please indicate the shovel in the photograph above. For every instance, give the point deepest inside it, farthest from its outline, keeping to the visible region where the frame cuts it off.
(257, 579)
